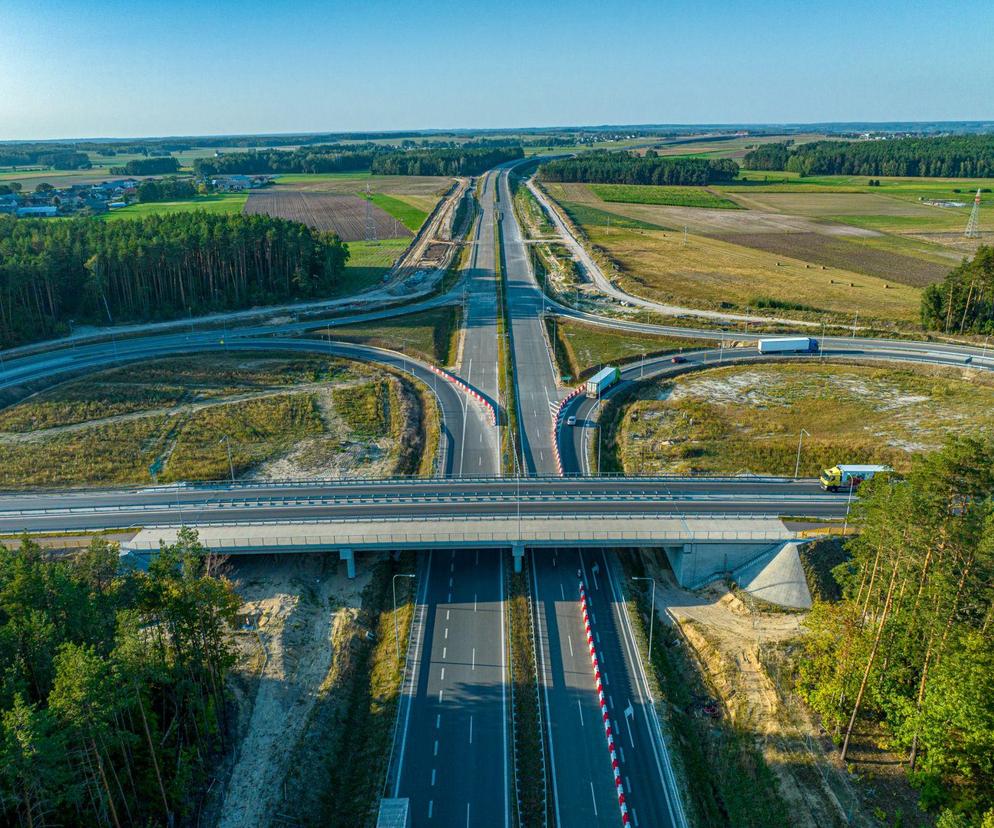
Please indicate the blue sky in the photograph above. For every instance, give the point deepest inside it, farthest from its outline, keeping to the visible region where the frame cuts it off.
(83, 68)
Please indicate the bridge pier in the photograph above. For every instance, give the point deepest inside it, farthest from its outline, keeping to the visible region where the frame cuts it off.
(348, 555)
(518, 552)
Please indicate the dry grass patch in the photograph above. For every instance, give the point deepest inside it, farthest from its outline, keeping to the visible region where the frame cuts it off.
(697, 271)
(735, 419)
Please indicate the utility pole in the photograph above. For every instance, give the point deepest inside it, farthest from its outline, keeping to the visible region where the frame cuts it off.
(396, 627)
(231, 466)
(854, 319)
(852, 487)
(973, 225)
(652, 610)
(800, 436)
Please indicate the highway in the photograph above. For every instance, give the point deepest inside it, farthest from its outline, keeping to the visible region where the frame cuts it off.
(583, 781)
(454, 732)
(534, 375)
(585, 791)
(478, 355)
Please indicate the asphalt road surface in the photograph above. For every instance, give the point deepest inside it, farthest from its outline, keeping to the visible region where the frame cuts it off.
(584, 790)
(534, 375)
(454, 733)
(245, 503)
(478, 357)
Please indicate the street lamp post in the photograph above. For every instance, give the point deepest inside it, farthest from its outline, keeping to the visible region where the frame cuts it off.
(231, 466)
(652, 610)
(852, 487)
(396, 627)
(800, 436)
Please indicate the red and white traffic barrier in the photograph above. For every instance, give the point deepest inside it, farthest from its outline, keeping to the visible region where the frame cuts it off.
(556, 417)
(605, 713)
(487, 405)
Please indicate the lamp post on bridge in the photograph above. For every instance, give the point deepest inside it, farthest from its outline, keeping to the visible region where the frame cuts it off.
(396, 628)
(652, 610)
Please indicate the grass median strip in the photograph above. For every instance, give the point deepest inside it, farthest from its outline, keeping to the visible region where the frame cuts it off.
(531, 772)
(511, 459)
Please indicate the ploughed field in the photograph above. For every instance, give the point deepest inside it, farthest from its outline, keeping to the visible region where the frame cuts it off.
(345, 215)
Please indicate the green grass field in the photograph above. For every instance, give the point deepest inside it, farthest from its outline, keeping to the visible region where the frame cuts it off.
(911, 188)
(430, 335)
(747, 418)
(228, 203)
(581, 349)
(310, 178)
(673, 196)
(411, 217)
(368, 263)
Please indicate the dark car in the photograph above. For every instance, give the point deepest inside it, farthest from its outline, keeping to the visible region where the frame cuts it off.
(678, 359)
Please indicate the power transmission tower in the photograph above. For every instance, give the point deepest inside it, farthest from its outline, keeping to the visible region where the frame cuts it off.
(973, 225)
(370, 220)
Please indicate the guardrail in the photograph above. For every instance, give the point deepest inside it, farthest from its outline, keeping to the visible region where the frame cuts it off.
(476, 395)
(500, 497)
(625, 537)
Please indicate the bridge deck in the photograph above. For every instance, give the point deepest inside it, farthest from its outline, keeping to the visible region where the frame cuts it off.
(474, 531)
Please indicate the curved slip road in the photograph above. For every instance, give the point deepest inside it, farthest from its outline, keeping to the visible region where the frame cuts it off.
(467, 437)
(574, 442)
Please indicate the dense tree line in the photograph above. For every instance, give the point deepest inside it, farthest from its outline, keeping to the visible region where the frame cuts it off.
(148, 166)
(330, 159)
(964, 301)
(956, 156)
(166, 189)
(112, 702)
(909, 648)
(468, 159)
(626, 168)
(44, 155)
(155, 267)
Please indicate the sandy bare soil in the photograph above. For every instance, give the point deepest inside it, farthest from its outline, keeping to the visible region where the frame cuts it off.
(728, 639)
(292, 605)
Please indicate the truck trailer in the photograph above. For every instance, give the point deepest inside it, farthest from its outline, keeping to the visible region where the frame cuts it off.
(846, 477)
(788, 344)
(602, 380)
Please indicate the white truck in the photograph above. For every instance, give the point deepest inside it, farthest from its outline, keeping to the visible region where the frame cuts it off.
(602, 380)
(788, 344)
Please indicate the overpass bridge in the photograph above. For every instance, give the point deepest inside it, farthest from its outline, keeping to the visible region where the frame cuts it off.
(700, 547)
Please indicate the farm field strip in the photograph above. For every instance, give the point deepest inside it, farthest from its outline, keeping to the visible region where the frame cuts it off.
(655, 194)
(341, 214)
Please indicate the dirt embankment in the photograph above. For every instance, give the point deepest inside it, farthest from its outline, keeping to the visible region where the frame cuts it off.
(740, 652)
(292, 608)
